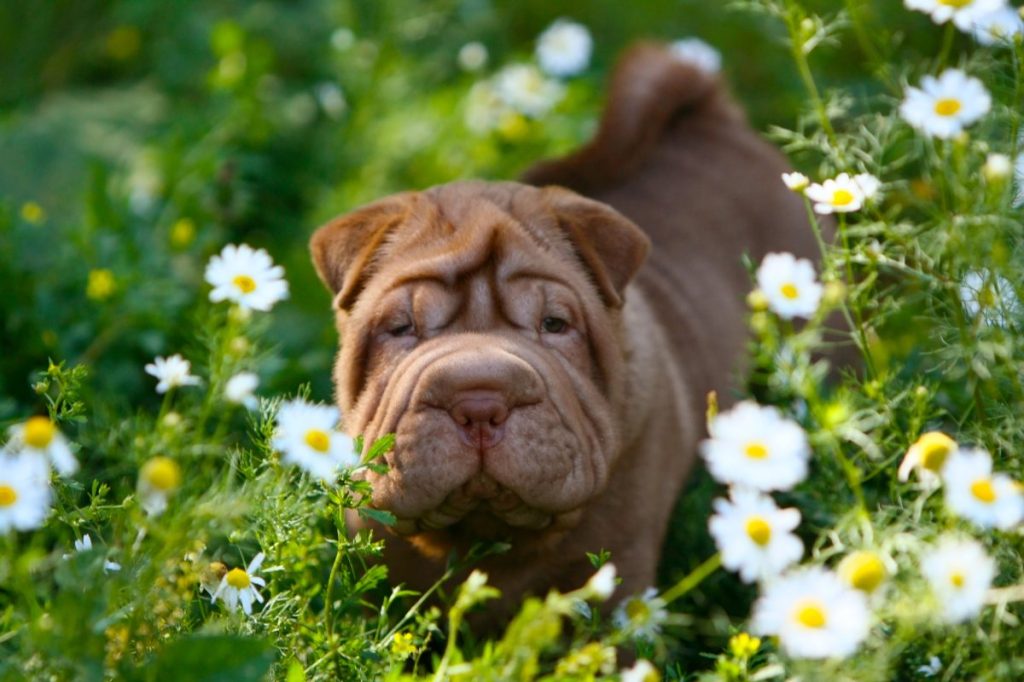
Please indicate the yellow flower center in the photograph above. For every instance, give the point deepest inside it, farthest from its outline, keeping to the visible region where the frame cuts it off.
(957, 578)
(983, 490)
(8, 495)
(245, 283)
(638, 611)
(238, 579)
(789, 290)
(812, 615)
(934, 447)
(318, 440)
(864, 571)
(101, 284)
(39, 431)
(956, 3)
(842, 197)
(947, 107)
(162, 473)
(756, 450)
(759, 530)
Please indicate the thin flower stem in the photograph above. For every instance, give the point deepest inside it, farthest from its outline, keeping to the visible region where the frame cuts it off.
(796, 44)
(947, 44)
(852, 311)
(329, 596)
(693, 578)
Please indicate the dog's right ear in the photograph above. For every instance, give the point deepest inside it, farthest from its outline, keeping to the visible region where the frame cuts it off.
(343, 249)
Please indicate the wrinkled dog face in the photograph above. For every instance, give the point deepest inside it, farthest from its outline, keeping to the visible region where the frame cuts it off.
(478, 324)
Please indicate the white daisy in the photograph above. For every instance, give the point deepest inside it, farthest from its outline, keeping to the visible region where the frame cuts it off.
(933, 667)
(40, 436)
(754, 536)
(171, 373)
(944, 106)
(524, 88)
(756, 447)
(960, 573)
(963, 13)
(159, 478)
(789, 284)
(642, 671)
(814, 613)
(24, 493)
(642, 616)
(306, 437)
(239, 389)
(927, 456)
(247, 277)
(602, 583)
(997, 167)
(864, 570)
(842, 194)
(990, 295)
(998, 27)
(973, 492)
(472, 56)
(697, 53)
(237, 587)
(564, 48)
(797, 182)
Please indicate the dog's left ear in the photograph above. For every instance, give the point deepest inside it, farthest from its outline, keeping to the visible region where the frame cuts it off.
(610, 245)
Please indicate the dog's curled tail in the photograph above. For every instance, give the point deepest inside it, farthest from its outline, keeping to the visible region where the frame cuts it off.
(650, 90)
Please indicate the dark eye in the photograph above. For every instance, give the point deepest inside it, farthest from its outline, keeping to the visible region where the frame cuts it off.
(553, 325)
(401, 329)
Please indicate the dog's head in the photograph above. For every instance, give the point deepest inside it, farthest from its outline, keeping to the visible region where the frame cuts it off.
(479, 323)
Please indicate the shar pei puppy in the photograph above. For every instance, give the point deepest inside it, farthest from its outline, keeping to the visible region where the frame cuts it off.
(543, 350)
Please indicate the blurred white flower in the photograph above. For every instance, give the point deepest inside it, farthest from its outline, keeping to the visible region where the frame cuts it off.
(472, 56)
(797, 182)
(85, 545)
(524, 88)
(960, 573)
(39, 436)
(342, 39)
(697, 53)
(24, 492)
(602, 583)
(754, 536)
(239, 389)
(484, 108)
(756, 447)
(814, 614)
(237, 587)
(963, 13)
(564, 48)
(990, 295)
(300, 109)
(331, 99)
(171, 372)
(306, 437)
(997, 27)
(790, 285)
(975, 493)
(842, 194)
(642, 616)
(159, 478)
(944, 106)
(997, 167)
(246, 276)
(927, 456)
(642, 671)
(933, 668)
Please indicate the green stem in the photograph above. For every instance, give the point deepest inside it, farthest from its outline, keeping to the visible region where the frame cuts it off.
(857, 319)
(329, 597)
(947, 44)
(693, 578)
(796, 44)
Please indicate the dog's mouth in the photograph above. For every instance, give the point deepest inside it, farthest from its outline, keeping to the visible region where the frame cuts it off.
(481, 506)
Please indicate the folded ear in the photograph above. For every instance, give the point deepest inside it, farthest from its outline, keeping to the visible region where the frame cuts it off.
(610, 245)
(343, 249)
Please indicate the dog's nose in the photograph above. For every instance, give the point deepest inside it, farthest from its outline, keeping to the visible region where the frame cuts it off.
(480, 416)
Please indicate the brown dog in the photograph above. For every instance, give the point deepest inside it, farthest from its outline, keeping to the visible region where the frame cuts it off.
(546, 385)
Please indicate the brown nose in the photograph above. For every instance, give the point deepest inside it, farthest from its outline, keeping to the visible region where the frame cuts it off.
(480, 416)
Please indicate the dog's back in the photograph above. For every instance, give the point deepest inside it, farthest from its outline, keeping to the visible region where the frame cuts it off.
(675, 155)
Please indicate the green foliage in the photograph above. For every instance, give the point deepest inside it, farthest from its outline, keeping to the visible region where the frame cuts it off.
(140, 137)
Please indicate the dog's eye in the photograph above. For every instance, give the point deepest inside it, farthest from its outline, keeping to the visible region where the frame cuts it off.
(553, 325)
(401, 330)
